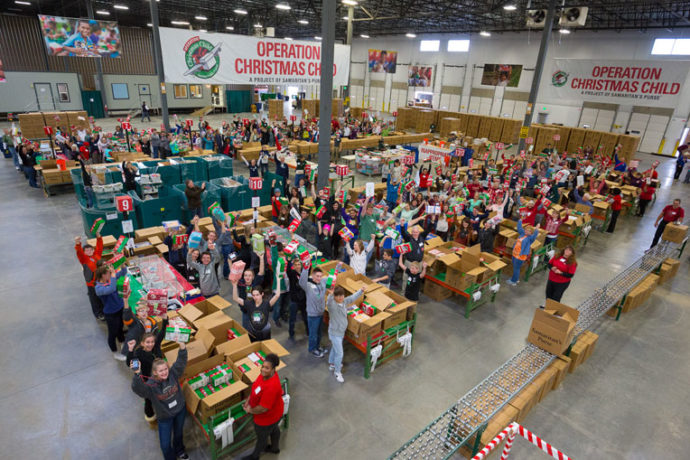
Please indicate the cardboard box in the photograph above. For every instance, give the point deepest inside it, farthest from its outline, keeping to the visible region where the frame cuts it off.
(675, 233)
(230, 346)
(353, 283)
(435, 291)
(192, 312)
(198, 349)
(552, 329)
(265, 346)
(398, 312)
(560, 366)
(217, 323)
(525, 401)
(109, 241)
(216, 402)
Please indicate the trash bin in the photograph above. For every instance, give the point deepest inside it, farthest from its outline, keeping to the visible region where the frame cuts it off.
(113, 220)
(170, 173)
(168, 206)
(210, 196)
(217, 166)
(234, 198)
(78, 183)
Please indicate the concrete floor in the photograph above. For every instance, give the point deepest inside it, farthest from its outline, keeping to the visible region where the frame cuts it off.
(64, 396)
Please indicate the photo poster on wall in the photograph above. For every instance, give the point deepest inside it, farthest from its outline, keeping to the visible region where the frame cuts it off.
(502, 75)
(80, 37)
(383, 61)
(420, 76)
(2, 73)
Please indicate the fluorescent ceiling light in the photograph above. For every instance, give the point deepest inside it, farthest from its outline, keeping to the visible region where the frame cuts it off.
(317, 38)
(257, 25)
(409, 35)
(18, 2)
(345, 18)
(203, 30)
(149, 24)
(484, 33)
(121, 7)
(103, 12)
(240, 11)
(303, 21)
(283, 6)
(229, 28)
(288, 38)
(350, 2)
(180, 23)
(364, 36)
(509, 7)
(200, 18)
(564, 31)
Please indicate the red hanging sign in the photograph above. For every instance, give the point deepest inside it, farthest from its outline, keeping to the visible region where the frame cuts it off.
(124, 203)
(255, 183)
(529, 141)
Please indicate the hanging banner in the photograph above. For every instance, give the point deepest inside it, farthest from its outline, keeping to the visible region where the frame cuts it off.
(383, 61)
(80, 37)
(190, 56)
(501, 75)
(433, 153)
(648, 83)
(2, 73)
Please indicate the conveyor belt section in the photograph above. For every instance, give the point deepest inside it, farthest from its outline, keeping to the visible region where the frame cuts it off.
(445, 435)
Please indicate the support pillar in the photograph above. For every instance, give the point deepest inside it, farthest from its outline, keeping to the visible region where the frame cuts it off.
(99, 65)
(325, 110)
(159, 64)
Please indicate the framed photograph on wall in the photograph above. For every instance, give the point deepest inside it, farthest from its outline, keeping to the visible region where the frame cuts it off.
(63, 92)
(120, 90)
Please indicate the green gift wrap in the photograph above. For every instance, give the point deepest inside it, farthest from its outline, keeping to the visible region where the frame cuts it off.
(118, 261)
(97, 226)
(121, 244)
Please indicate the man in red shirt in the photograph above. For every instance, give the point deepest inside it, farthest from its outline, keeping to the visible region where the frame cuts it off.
(265, 402)
(88, 257)
(671, 213)
(616, 205)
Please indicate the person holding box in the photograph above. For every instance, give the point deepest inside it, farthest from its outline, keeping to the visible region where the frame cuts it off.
(671, 213)
(337, 313)
(165, 393)
(88, 257)
(147, 352)
(521, 250)
(113, 304)
(316, 296)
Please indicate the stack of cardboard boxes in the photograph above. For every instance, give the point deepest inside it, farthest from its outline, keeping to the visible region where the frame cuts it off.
(448, 125)
(404, 120)
(668, 270)
(31, 125)
(337, 107)
(275, 109)
(424, 120)
(54, 174)
(312, 106)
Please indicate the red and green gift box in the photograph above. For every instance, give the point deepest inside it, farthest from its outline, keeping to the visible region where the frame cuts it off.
(121, 244)
(118, 260)
(320, 211)
(346, 234)
(403, 248)
(330, 281)
(97, 226)
(178, 334)
(291, 247)
(294, 225)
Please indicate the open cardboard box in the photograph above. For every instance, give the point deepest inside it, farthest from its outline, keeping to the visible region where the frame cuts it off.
(438, 259)
(266, 346)
(365, 326)
(109, 241)
(218, 323)
(216, 402)
(553, 327)
(398, 312)
(198, 348)
(331, 264)
(492, 263)
(433, 242)
(228, 347)
(192, 312)
(352, 283)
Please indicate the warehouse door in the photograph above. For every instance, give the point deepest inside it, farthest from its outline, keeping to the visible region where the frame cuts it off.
(44, 97)
(650, 124)
(598, 116)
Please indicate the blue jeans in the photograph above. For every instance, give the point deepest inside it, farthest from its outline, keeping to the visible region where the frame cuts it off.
(90, 196)
(336, 355)
(517, 264)
(226, 249)
(15, 156)
(171, 429)
(155, 151)
(294, 308)
(30, 173)
(314, 331)
(281, 306)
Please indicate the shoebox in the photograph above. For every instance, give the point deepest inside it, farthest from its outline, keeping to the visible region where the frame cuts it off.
(174, 317)
(109, 241)
(246, 361)
(217, 401)
(492, 263)
(675, 233)
(198, 348)
(217, 323)
(553, 327)
(398, 309)
(192, 312)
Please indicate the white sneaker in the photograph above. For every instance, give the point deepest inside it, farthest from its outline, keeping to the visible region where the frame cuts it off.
(119, 356)
(339, 377)
(331, 367)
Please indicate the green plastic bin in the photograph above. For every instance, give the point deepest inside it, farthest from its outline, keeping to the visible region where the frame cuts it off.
(193, 168)
(78, 183)
(168, 206)
(210, 196)
(234, 198)
(217, 166)
(170, 174)
(267, 189)
(113, 220)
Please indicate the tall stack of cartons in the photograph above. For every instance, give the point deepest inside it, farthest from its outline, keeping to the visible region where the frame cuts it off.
(592, 138)
(545, 138)
(78, 119)
(449, 124)
(425, 118)
(356, 112)
(511, 131)
(496, 129)
(31, 125)
(629, 145)
(312, 106)
(337, 107)
(462, 127)
(607, 143)
(576, 139)
(473, 124)
(56, 120)
(484, 126)
(564, 133)
(275, 109)
(404, 118)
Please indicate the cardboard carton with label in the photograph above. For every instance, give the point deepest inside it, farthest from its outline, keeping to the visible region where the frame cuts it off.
(553, 327)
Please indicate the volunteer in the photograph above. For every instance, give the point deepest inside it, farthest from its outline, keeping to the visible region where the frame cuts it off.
(337, 315)
(266, 404)
(168, 402)
(616, 206)
(147, 352)
(561, 271)
(521, 250)
(113, 304)
(257, 310)
(298, 298)
(671, 213)
(193, 194)
(316, 296)
(88, 257)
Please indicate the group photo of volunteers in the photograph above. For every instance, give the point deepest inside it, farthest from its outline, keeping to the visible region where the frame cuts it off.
(467, 238)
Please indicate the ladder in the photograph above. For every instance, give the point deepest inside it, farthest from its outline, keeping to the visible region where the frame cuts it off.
(468, 417)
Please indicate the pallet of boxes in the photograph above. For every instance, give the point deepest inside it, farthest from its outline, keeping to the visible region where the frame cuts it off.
(222, 362)
(376, 316)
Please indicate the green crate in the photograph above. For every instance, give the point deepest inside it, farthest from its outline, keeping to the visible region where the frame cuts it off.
(234, 198)
(168, 206)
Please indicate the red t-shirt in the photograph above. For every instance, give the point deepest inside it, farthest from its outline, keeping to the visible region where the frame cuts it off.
(561, 264)
(617, 203)
(268, 394)
(672, 214)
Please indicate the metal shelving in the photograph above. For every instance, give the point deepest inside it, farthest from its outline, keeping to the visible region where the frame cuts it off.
(468, 417)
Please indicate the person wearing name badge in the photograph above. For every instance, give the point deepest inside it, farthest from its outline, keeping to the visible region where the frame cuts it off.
(258, 311)
(298, 298)
(165, 393)
(251, 165)
(315, 290)
(147, 352)
(561, 271)
(413, 279)
(140, 323)
(521, 250)
(208, 276)
(265, 404)
(113, 305)
(670, 214)
(337, 305)
(89, 257)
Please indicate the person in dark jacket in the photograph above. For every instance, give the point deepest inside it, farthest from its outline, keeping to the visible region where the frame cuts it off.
(165, 393)
(193, 194)
(28, 162)
(130, 172)
(177, 253)
(486, 235)
(298, 298)
(147, 352)
(247, 255)
(113, 304)
(88, 183)
(139, 324)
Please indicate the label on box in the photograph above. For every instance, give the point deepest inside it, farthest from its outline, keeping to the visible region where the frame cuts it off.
(110, 215)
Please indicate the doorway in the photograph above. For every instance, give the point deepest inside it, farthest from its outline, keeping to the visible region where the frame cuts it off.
(44, 97)
(217, 96)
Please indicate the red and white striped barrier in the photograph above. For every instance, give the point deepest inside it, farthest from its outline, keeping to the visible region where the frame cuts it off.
(509, 434)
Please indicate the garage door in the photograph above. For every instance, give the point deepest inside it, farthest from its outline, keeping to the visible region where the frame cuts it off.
(650, 124)
(598, 116)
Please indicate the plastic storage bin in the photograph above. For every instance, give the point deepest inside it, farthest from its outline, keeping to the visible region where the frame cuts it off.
(210, 195)
(234, 198)
(168, 206)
